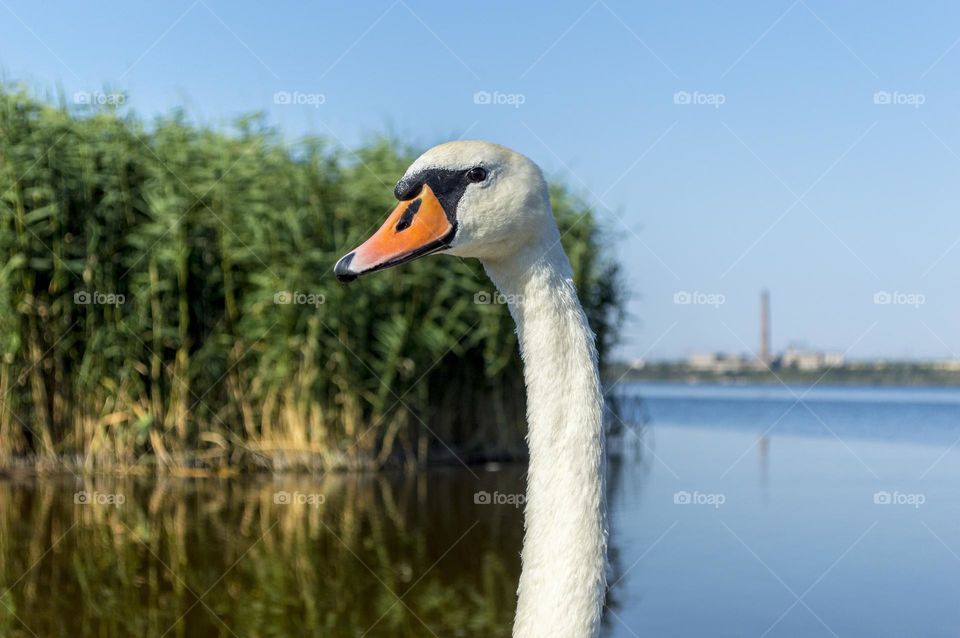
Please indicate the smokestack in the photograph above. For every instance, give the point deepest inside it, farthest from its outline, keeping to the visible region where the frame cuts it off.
(765, 326)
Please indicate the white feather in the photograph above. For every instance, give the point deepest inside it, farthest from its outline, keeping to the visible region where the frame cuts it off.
(506, 221)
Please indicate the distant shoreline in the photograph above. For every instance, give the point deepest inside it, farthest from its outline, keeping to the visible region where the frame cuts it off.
(868, 374)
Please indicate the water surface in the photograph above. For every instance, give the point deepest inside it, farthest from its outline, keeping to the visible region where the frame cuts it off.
(736, 511)
(838, 515)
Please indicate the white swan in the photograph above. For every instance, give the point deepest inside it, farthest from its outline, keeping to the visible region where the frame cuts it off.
(477, 199)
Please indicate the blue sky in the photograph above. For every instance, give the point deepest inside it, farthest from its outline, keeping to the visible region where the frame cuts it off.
(727, 146)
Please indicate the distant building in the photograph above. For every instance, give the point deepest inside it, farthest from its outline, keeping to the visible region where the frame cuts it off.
(833, 359)
(703, 360)
(719, 362)
(794, 357)
(810, 360)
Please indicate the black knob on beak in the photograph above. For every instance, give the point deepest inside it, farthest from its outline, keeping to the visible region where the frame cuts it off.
(342, 270)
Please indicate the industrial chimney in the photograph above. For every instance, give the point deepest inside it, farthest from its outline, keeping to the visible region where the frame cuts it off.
(765, 327)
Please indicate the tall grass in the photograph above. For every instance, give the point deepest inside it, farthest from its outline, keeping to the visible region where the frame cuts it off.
(167, 303)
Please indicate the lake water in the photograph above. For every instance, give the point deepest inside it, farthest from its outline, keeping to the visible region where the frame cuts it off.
(735, 511)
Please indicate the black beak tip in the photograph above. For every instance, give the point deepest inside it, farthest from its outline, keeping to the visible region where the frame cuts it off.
(342, 270)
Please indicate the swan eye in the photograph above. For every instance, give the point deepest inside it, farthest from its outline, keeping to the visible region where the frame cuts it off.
(477, 174)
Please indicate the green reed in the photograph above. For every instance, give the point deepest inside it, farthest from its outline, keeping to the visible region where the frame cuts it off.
(167, 303)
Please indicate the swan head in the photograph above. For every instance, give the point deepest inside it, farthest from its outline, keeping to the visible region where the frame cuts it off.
(466, 198)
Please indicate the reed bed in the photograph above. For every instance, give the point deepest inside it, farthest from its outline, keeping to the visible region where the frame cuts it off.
(167, 304)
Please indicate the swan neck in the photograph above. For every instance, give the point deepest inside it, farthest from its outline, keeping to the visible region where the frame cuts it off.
(562, 583)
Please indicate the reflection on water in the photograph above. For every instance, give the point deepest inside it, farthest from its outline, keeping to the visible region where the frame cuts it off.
(389, 556)
(780, 502)
(763, 458)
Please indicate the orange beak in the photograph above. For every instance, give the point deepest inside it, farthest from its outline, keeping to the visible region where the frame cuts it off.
(416, 227)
